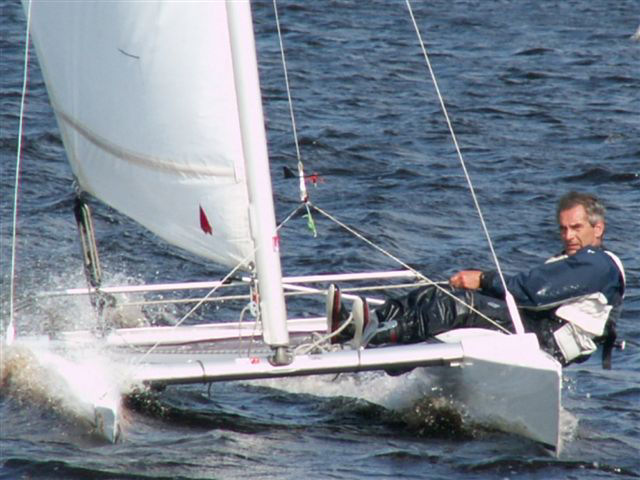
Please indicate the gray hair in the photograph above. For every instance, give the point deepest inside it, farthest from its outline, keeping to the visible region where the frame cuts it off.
(595, 210)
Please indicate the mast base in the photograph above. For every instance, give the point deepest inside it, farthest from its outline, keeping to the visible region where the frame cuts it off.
(281, 356)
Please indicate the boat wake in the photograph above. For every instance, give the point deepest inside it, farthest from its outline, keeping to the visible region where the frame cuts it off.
(334, 402)
(414, 399)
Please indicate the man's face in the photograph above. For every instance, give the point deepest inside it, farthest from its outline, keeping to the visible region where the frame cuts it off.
(577, 232)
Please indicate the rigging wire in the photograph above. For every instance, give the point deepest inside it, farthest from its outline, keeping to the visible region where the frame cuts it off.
(304, 194)
(204, 299)
(11, 330)
(192, 310)
(515, 315)
(303, 188)
(303, 191)
(407, 266)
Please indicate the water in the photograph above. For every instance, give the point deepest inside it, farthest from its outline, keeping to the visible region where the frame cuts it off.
(544, 97)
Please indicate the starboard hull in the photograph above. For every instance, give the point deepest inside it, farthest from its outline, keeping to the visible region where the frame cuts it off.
(503, 381)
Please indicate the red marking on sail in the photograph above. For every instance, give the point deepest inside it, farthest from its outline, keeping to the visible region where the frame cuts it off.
(204, 222)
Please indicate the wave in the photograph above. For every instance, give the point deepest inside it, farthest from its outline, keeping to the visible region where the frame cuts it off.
(534, 51)
(600, 175)
(64, 470)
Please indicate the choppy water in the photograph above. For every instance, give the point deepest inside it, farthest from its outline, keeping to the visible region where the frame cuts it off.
(544, 97)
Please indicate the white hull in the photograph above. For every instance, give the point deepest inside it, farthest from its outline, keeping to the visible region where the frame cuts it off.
(507, 382)
(504, 381)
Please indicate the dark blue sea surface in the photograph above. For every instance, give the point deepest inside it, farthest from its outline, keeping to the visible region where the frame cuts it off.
(544, 97)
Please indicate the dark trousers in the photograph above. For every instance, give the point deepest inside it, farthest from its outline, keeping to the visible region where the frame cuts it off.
(429, 311)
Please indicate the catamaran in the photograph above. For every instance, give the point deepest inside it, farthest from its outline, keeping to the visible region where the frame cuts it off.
(178, 143)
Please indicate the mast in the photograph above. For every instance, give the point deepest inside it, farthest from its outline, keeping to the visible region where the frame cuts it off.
(254, 144)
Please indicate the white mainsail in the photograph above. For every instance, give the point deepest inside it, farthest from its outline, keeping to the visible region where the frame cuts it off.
(160, 111)
(145, 99)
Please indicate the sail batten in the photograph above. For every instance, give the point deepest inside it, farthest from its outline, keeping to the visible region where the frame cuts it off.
(154, 163)
(145, 98)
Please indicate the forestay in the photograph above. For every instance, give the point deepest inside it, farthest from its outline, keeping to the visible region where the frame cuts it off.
(145, 99)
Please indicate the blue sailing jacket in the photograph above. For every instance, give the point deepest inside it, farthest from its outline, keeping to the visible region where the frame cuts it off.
(590, 270)
(582, 292)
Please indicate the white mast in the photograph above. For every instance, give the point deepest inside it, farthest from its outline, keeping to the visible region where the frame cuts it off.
(254, 144)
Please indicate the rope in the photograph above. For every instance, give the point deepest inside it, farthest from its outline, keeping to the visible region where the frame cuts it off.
(193, 309)
(11, 330)
(303, 188)
(408, 267)
(248, 306)
(204, 299)
(515, 316)
(321, 340)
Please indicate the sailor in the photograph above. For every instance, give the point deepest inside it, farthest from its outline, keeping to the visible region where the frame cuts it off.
(571, 302)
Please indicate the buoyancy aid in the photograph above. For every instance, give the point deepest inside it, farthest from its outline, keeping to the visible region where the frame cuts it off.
(587, 320)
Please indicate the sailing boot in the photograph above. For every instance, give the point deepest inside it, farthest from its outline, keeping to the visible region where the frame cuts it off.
(383, 327)
(337, 315)
(361, 320)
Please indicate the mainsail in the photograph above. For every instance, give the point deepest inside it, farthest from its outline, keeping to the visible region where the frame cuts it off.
(160, 111)
(145, 99)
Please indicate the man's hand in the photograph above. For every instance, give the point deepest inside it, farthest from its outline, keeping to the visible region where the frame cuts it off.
(469, 279)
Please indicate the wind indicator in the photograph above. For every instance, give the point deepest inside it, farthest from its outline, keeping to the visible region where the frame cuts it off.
(314, 178)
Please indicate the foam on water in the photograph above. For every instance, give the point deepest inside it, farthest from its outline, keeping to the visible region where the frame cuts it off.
(73, 384)
(415, 398)
(392, 392)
